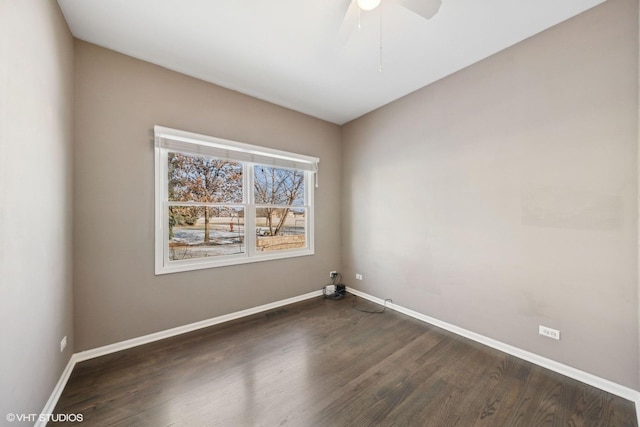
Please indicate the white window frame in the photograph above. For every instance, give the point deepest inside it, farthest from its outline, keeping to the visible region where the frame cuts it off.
(173, 140)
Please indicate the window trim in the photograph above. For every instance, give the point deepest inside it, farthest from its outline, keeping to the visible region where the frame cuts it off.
(167, 139)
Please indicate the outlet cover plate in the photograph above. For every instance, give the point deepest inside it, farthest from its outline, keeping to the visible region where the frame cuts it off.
(549, 332)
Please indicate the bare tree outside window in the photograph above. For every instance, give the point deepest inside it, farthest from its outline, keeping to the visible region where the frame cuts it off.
(279, 195)
(208, 183)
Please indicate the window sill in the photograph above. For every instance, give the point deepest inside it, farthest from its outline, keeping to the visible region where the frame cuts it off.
(204, 263)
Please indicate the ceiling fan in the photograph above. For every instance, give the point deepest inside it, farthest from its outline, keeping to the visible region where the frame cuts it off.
(425, 8)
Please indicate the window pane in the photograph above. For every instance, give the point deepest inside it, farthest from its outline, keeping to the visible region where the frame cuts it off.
(274, 186)
(204, 179)
(199, 232)
(279, 229)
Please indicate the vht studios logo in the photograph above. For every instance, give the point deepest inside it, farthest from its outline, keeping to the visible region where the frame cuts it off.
(56, 418)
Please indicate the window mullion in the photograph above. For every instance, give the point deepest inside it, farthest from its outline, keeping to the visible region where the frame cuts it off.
(250, 209)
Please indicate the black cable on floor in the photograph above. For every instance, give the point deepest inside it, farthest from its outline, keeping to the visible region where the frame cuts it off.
(384, 307)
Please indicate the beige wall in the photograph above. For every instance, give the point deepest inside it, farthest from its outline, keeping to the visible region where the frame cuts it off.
(118, 101)
(504, 197)
(36, 99)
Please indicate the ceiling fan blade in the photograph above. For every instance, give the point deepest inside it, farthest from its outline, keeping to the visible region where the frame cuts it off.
(425, 8)
(349, 22)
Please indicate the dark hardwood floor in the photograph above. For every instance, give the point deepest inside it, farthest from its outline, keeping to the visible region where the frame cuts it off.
(322, 363)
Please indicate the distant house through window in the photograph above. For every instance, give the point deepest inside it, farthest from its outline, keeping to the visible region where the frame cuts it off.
(221, 202)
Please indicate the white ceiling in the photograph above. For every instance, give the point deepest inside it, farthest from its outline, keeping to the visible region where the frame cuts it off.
(288, 51)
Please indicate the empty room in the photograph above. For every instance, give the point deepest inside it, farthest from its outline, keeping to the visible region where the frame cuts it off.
(319, 213)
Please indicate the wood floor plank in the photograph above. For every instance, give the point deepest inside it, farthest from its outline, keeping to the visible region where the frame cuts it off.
(322, 363)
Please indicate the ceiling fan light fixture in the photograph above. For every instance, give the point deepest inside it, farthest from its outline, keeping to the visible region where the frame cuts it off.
(368, 4)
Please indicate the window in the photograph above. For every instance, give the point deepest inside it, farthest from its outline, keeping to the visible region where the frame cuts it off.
(221, 202)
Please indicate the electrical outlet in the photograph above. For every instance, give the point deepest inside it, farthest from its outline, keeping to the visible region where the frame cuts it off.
(358, 276)
(548, 332)
(63, 343)
(332, 274)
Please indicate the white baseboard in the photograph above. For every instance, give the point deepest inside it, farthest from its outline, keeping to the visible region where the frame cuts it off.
(145, 339)
(49, 407)
(576, 374)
